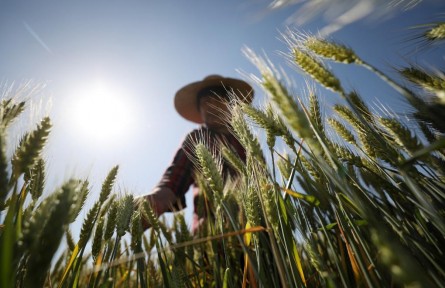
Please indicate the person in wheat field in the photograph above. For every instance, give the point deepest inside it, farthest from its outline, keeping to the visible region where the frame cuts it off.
(204, 102)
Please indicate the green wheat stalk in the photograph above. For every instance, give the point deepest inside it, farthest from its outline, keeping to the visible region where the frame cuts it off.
(97, 239)
(234, 160)
(107, 185)
(280, 95)
(428, 81)
(4, 172)
(401, 135)
(342, 131)
(124, 212)
(210, 169)
(245, 135)
(111, 221)
(317, 70)
(9, 111)
(44, 233)
(37, 181)
(30, 148)
(265, 122)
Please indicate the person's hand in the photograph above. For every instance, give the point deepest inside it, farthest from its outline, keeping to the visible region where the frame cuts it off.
(161, 200)
(139, 203)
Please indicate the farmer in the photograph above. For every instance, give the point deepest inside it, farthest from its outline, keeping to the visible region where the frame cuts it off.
(205, 102)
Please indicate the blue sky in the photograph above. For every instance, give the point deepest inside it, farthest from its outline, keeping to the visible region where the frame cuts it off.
(136, 54)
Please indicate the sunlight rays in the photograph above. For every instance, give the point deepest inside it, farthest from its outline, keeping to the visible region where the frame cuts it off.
(101, 113)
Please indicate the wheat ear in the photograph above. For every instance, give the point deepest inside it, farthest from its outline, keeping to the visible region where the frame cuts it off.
(331, 50)
(97, 239)
(4, 170)
(9, 111)
(245, 135)
(234, 160)
(279, 126)
(70, 240)
(107, 185)
(88, 225)
(401, 135)
(435, 33)
(342, 131)
(136, 231)
(317, 71)
(124, 213)
(30, 148)
(433, 83)
(46, 230)
(111, 221)
(281, 97)
(37, 181)
(262, 119)
(210, 170)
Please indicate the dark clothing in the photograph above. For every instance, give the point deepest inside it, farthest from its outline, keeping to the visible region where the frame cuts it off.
(180, 175)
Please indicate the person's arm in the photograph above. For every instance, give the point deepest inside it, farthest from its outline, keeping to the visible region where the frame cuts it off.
(161, 200)
(169, 194)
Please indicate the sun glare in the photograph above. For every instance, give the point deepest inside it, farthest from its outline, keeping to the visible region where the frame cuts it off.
(101, 113)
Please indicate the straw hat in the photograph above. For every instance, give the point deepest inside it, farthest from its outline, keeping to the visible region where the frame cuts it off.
(186, 97)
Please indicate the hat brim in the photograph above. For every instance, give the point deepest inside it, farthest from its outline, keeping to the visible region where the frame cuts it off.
(186, 97)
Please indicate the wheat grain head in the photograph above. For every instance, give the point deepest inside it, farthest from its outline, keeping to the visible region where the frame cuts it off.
(30, 148)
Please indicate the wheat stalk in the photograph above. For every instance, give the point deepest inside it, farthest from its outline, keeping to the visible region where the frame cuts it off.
(80, 198)
(211, 170)
(435, 33)
(317, 70)
(245, 135)
(70, 240)
(107, 185)
(430, 82)
(252, 206)
(9, 111)
(97, 239)
(401, 135)
(30, 148)
(331, 50)
(284, 165)
(280, 95)
(279, 125)
(136, 232)
(149, 214)
(88, 224)
(37, 181)
(125, 210)
(342, 131)
(360, 107)
(315, 113)
(111, 221)
(46, 230)
(234, 160)
(264, 121)
(4, 171)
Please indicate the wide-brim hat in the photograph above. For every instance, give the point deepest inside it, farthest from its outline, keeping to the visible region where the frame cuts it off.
(186, 97)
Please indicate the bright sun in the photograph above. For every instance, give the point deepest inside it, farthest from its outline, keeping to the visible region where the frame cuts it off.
(101, 113)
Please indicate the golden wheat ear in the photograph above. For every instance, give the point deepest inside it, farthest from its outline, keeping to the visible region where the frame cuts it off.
(314, 68)
(430, 82)
(331, 50)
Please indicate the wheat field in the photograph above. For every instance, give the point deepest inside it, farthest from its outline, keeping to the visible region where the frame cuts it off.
(355, 200)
